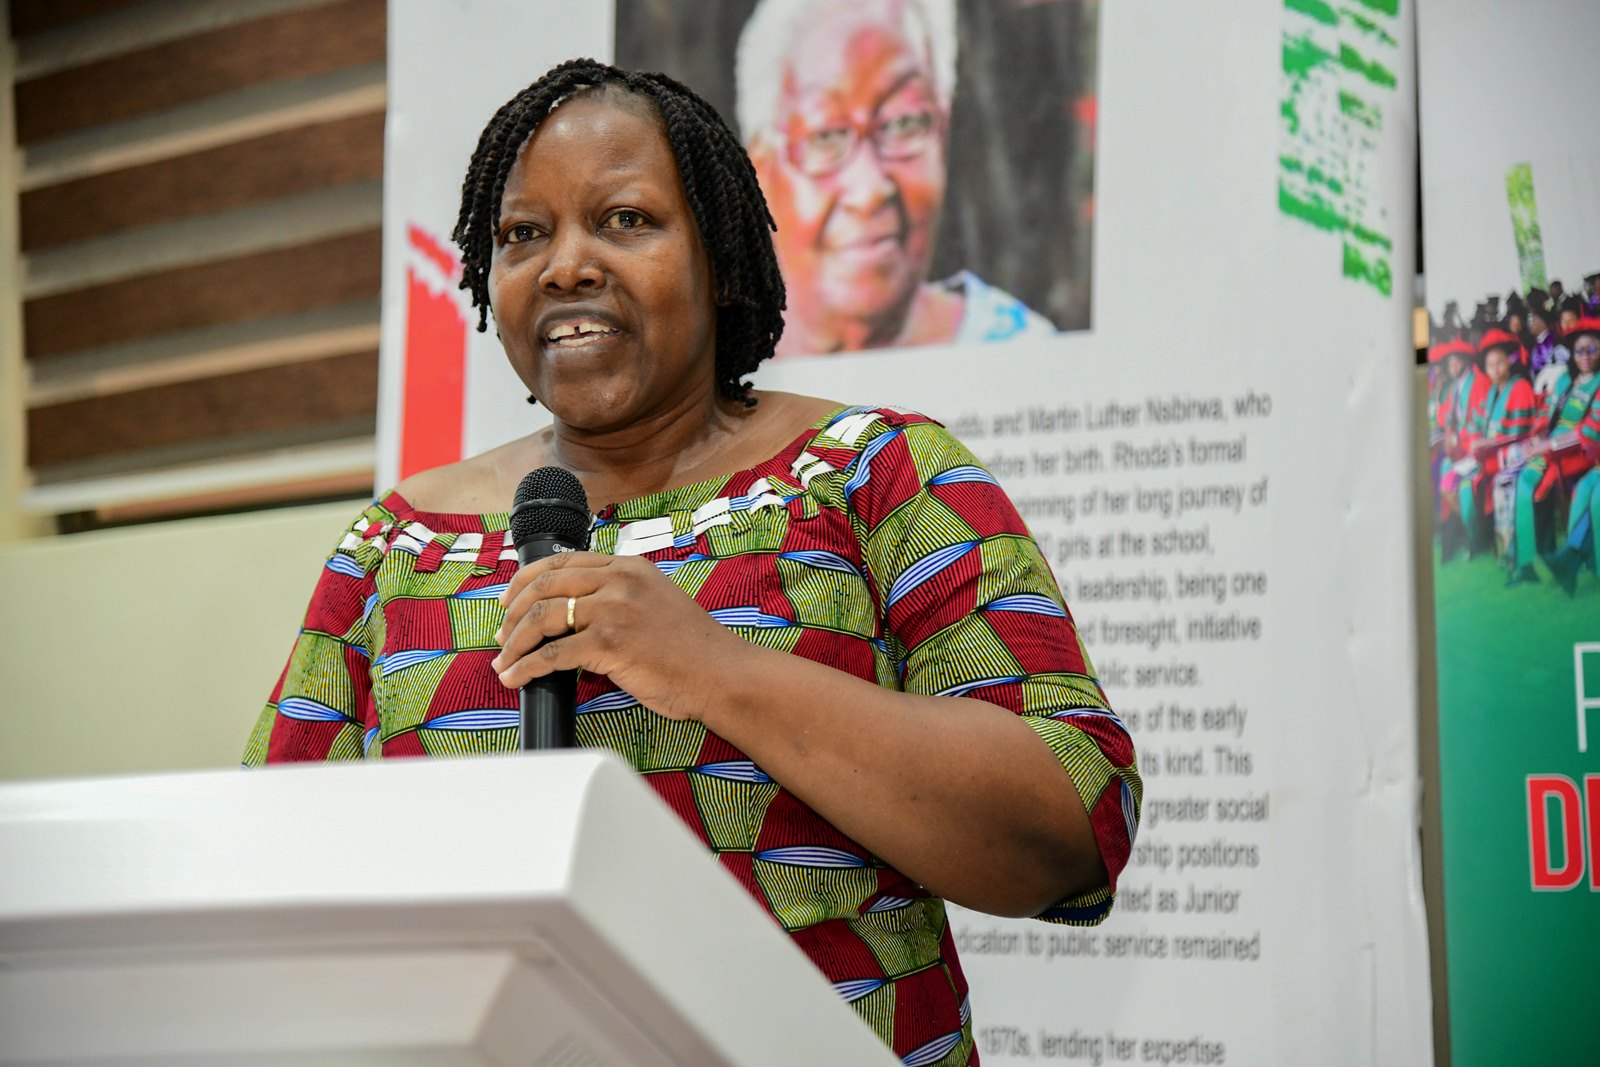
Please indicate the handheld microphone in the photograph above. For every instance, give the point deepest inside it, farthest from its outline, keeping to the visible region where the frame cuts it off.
(550, 514)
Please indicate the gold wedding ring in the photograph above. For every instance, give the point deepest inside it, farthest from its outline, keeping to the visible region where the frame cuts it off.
(572, 613)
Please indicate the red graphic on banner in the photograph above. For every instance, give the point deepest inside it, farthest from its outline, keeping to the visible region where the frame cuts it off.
(1566, 826)
(433, 393)
(1591, 794)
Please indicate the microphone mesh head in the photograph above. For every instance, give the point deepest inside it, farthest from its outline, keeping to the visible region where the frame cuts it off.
(567, 520)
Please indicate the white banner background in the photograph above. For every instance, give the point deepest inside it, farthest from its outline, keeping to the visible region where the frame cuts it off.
(1203, 288)
(1478, 120)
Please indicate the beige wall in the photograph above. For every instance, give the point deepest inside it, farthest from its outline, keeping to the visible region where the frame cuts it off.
(151, 648)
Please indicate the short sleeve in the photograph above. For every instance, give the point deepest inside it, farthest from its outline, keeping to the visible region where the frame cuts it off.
(321, 707)
(971, 608)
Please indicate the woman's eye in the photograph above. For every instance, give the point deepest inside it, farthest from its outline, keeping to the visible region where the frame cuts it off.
(626, 219)
(830, 139)
(908, 124)
(519, 233)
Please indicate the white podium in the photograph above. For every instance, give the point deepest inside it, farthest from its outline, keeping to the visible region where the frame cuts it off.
(529, 910)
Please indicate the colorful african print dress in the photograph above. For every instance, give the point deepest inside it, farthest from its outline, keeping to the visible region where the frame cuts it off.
(875, 544)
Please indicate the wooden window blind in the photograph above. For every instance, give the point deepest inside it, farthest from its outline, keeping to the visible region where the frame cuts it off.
(198, 199)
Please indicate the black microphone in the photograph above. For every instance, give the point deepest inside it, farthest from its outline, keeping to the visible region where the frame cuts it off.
(550, 514)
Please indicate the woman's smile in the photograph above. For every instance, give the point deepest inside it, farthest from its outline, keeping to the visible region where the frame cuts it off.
(578, 334)
(562, 333)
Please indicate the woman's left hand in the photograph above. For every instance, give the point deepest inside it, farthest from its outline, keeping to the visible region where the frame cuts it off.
(957, 793)
(631, 623)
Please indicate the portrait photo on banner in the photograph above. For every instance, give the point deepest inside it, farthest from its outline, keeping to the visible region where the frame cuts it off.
(929, 163)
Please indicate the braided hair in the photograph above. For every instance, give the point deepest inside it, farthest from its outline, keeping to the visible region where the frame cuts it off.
(719, 184)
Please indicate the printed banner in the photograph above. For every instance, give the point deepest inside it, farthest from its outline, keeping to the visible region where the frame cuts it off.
(1512, 212)
(1151, 262)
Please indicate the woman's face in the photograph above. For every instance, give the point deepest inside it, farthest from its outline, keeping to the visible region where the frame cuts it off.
(601, 290)
(854, 172)
(1456, 365)
(1569, 319)
(1498, 365)
(1514, 323)
(1586, 353)
(1537, 323)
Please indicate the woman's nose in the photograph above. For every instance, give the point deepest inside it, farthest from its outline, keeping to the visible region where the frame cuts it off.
(864, 183)
(572, 264)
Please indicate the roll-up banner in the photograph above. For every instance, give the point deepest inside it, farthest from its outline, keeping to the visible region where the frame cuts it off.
(1511, 205)
(1170, 249)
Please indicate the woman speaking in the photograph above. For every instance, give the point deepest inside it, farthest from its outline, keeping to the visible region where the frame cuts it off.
(820, 631)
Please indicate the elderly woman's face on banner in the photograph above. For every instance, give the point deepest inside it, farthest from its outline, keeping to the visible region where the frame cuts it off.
(854, 170)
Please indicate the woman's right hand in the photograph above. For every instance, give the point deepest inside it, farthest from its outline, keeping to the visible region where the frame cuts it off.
(630, 623)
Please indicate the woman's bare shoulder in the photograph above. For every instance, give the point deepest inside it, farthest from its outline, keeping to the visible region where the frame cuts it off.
(795, 411)
(478, 485)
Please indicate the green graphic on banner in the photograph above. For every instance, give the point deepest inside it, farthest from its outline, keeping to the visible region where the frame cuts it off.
(1338, 73)
(1519, 672)
(1525, 226)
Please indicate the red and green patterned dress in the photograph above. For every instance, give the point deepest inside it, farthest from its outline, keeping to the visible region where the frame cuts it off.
(1509, 413)
(873, 543)
(1583, 515)
(1570, 404)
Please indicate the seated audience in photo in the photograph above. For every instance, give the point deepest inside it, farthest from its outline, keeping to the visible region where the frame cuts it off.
(1569, 311)
(1557, 292)
(1442, 374)
(1516, 324)
(1504, 416)
(1466, 386)
(1582, 547)
(1438, 389)
(1557, 456)
(1545, 349)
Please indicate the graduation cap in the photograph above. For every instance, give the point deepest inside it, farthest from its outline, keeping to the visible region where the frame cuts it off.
(1498, 338)
(1585, 324)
